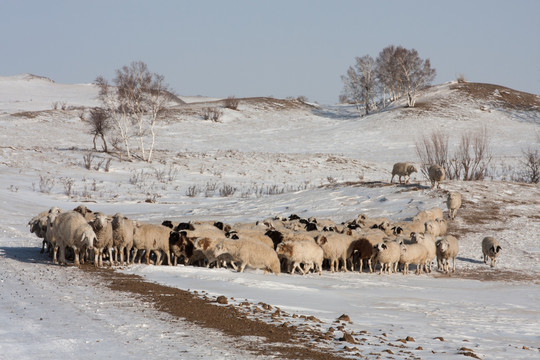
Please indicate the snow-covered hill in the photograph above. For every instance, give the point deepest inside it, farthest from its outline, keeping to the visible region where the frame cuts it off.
(282, 157)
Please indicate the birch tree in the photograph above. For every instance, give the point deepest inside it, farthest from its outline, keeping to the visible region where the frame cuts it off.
(414, 73)
(139, 98)
(361, 83)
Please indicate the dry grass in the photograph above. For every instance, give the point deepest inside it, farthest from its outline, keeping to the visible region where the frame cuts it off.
(500, 95)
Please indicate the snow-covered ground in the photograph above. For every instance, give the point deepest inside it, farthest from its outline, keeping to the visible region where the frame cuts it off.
(312, 161)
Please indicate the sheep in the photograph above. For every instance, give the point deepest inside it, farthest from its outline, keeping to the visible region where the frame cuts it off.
(413, 254)
(432, 227)
(84, 211)
(71, 229)
(39, 225)
(430, 214)
(428, 240)
(150, 237)
(453, 203)
(407, 228)
(336, 247)
(436, 175)
(249, 253)
(387, 254)
(253, 234)
(279, 236)
(104, 237)
(491, 249)
(447, 248)
(180, 246)
(122, 229)
(403, 169)
(306, 252)
(363, 249)
(207, 246)
(443, 226)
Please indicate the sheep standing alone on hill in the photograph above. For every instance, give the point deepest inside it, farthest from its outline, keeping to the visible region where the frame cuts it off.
(491, 249)
(436, 175)
(453, 202)
(403, 169)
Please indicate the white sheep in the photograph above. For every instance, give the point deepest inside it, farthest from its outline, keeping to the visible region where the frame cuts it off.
(447, 248)
(336, 247)
(407, 228)
(71, 229)
(298, 252)
(403, 169)
(453, 202)
(491, 249)
(436, 175)
(207, 246)
(428, 240)
(104, 237)
(252, 234)
(387, 253)
(39, 225)
(84, 211)
(432, 227)
(413, 254)
(122, 228)
(430, 214)
(150, 237)
(249, 253)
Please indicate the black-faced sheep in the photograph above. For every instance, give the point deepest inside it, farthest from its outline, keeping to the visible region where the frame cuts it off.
(403, 169)
(122, 229)
(453, 203)
(250, 253)
(491, 249)
(388, 255)
(447, 248)
(71, 229)
(436, 175)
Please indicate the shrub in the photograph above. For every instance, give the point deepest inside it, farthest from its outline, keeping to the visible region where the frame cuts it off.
(232, 103)
(227, 190)
(212, 113)
(531, 162)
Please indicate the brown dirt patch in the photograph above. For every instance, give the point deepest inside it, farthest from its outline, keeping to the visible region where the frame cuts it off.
(282, 341)
(503, 96)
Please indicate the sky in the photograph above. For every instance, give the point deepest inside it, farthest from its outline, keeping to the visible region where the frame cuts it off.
(277, 48)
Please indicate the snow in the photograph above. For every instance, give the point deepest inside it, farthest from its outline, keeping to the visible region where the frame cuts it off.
(304, 160)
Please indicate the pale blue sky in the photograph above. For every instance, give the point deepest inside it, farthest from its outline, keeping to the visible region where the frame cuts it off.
(268, 48)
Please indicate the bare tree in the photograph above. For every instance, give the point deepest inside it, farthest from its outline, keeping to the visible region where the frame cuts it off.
(414, 73)
(99, 126)
(361, 82)
(136, 103)
(432, 150)
(388, 74)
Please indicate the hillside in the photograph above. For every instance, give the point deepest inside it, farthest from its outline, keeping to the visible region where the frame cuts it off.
(275, 157)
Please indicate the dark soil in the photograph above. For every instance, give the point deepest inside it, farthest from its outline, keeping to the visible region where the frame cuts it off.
(282, 341)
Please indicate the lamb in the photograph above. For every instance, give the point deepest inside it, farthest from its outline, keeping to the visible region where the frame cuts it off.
(403, 169)
(122, 230)
(306, 252)
(104, 237)
(150, 237)
(413, 254)
(336, 247)
(491, 249)
(447, 248)
(453, 202)
(428, 241)
(387, 253)
(436, 175)
(249, 253)
(71, 229)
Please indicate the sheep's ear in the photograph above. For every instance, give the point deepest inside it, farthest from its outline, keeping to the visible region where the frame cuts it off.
(384, 246)
(323, 240)
(235, 237)
(499, 248)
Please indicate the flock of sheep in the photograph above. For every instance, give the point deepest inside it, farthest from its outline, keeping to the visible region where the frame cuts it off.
(277, 244)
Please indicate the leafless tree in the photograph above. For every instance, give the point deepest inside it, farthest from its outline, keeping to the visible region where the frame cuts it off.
(361, 82)
(414, 73)
(388, 74)
(136, 103)
(433, 149)
(99, 126)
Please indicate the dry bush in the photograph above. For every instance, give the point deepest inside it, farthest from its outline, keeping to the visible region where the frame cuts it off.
(227, 190)
(531, 163)
(470, 161)
(232, 103)
(461, 79)
(87, 160)
(212, 113)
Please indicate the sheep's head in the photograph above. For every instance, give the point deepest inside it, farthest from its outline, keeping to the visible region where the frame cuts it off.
(411, 169)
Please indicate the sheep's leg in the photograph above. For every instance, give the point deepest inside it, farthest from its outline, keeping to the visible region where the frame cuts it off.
(55, 252)
(43, 246)
(361, 264)
(453, 264)
(76, 255)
